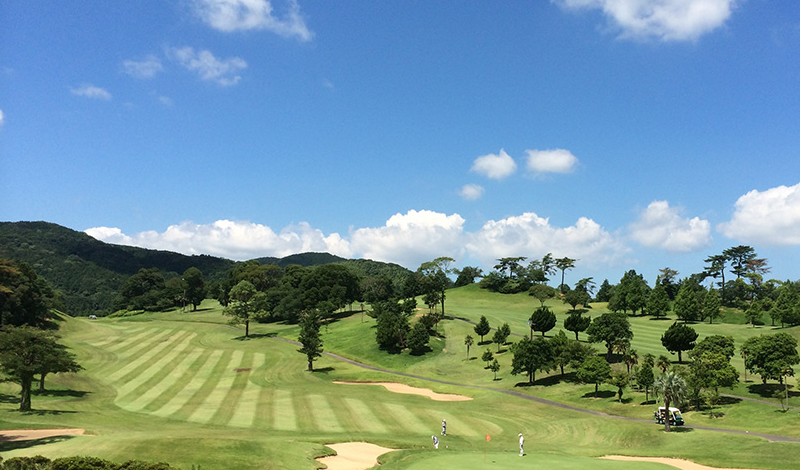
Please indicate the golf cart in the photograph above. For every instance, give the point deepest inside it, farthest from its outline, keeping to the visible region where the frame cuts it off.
(675, 418)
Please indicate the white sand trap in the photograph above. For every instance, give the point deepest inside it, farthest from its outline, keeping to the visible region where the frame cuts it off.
(409, 390)
(354, 456)
(31, 434)
(677, 463)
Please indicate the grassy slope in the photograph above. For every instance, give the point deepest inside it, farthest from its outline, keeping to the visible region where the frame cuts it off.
(162, 386)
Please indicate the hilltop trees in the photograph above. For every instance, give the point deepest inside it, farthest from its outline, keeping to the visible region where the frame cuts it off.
(24, 296)
(563, 264)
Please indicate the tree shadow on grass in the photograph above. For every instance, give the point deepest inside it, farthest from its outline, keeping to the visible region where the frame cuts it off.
(728, 400)
(557, 379)
(47, 412)
(421, 352)
(324, 370)
(524, 384)
(680, 429)
(61, 393)
(6, 398)
(254, 336)
(769, 390)
(660, 319)
(6, 446)
(600, 394)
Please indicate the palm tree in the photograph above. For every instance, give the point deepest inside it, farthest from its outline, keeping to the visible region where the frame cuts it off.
(663, 363)
(631, 358)
(672, 389)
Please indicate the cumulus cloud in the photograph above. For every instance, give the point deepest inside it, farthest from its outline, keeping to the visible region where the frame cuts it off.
(551, 161)
(243, 15)
(91, 91)
(471, 192)
(146, 68)
(769, 217)
(229, 239)
(661, 226)
(665, 20)
(495, 166)
(412, 238)
(222, 71)
(533, 236)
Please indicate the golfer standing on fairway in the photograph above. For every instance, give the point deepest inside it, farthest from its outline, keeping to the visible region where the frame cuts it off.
(444, 427)
(435, 442)
(521, 442)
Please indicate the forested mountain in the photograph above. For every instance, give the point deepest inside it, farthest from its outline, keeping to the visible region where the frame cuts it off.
(89, 273)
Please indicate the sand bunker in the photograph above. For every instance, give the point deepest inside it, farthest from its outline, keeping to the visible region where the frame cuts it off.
(354, 456)
(31, 434)
(677, 463)
(407, 389)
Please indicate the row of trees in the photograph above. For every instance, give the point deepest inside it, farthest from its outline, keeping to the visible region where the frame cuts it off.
(28, 345)
(150, 290)
(511, 275)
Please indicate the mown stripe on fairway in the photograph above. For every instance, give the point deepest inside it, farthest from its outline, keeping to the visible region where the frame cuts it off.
(285, 418)
(405, 417)
(146, 357)
(216, 397)
(192, 387)
(168, 381)
(162, 365)
(107, 338)
(455, 424)
(135, 343)
(365, 418)
(246, 408)
(323, 414)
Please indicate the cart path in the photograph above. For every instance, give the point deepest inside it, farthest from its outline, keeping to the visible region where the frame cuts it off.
(543, 401)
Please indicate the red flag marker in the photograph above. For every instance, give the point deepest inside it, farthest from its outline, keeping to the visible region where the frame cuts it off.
(488, 437)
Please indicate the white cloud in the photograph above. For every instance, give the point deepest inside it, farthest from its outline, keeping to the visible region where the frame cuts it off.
(770, 217)
(412, 238)
(495, 166)
(165, 100)
(471, 192)
(551, 161)
(533, 236)
(224, 72)
(229, 239)
(661, 226)
(242, 15)
(2, 118)
(146, 68)
(91, 91)
(666, 20)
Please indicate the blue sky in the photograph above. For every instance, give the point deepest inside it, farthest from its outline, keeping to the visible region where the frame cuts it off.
(630, 134)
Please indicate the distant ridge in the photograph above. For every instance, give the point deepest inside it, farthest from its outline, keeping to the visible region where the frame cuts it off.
(89, 272)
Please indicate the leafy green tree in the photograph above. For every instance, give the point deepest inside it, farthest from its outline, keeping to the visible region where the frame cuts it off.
(568, 352)
(563, 264)
(605, 292)
(712, 302)
(467, 275)
(672, 389)
(142, 291)
(195, 286)
(649, 360)
(687, 305)
(630, 293)
(645, 379)
(785, 304)
(243, 305)
(754, 312)
(310, 339)
(658, 301)
(487, 356)
(377, 289)
(435, 275)
(482, 328)
(575, 297)
(594, 370)
(418, 338)
(610, 328)
(468, 341)
(771, 356)
(542, 292)
(531, 356)
(666, 278)
(713, 370)
(494, 367)
(717, 344)
(576, 322)
(586, 285)
(26, 351)
(739, 256)
(498, 338)
(392, 327)
(716, 268)
(619, 379)
(23, 295)
(542, 319)
(678, 338)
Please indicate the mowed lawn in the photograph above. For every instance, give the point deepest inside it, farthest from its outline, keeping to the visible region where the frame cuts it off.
(188, 389)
